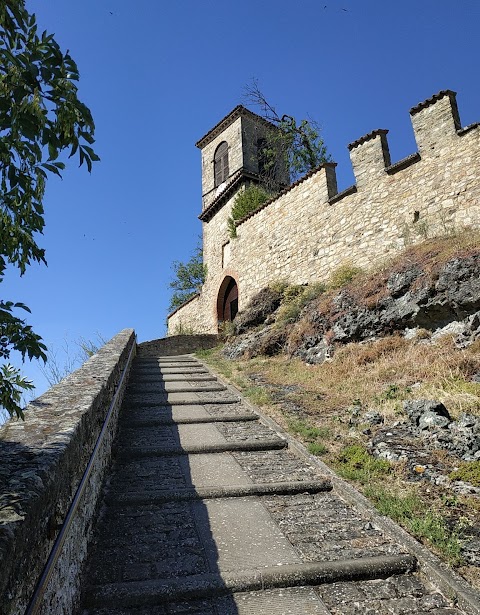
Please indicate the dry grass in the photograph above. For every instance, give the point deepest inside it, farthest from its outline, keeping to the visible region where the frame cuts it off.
(323, 405)
(367, 372)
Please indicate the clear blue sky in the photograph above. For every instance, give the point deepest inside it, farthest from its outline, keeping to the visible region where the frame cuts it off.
(159, 75)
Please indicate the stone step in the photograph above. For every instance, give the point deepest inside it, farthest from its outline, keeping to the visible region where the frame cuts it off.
(152, 370)
(186, 434)
(188, 420)
(166, 364)
(146, 400)
(195, 449)
(185, 413)
(160, 378)
(158, 591)
(284, 601)
(208, 493)
(183, 386)
(185, 358)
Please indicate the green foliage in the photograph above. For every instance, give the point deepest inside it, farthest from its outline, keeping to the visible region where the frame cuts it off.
(468, 471)
(317, 449)
(301, 145)
(394, 391)
(188, 280)
(12, 386)
(409, 510)
(246, 202)
(258, 395)
(355, 463)
(279, 286)
(308, 432)
(295, 298)
(313, 436)
(40, 117)
(342, 275)
(298, 143)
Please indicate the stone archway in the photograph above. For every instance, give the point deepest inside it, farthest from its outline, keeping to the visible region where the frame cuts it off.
(227, 301)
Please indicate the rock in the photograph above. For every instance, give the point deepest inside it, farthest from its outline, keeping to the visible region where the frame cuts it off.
(456, 327)
(448, 304)
(471, 551)
(373, 418)
(471, 331)
(400, 281)
(434, 411)
(430, 419)
(469, 420)
(315, 354)
(260, 307)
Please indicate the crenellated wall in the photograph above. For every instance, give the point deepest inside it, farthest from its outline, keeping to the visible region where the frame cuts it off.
(42, 461)
(310, 229)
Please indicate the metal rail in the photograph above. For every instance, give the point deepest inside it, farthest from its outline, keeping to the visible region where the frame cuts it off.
(56, 551)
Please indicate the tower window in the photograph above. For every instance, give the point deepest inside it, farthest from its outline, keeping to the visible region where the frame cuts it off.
(221, 163)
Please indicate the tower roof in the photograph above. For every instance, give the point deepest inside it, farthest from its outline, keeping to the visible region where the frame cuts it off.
(239, 111)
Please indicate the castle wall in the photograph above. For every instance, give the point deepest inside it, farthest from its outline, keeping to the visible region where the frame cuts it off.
(309, 230)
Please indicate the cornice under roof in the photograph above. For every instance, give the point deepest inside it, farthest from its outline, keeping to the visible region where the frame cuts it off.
(239, 111)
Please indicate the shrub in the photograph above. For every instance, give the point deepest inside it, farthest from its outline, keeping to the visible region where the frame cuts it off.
(342, 275)
(245, 203)
(295, 298)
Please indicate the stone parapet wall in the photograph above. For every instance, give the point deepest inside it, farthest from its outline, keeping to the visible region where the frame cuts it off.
(190, 318)
(311, 229)
(176, 345)
(42, 462)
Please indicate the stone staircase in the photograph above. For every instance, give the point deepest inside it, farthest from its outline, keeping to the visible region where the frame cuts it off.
(208, 511)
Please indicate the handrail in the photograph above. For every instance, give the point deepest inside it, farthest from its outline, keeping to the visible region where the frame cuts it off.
(55, 553)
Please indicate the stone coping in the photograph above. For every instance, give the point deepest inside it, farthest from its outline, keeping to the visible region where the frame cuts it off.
(42, 461)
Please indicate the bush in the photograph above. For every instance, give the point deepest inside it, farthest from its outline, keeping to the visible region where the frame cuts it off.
(295, 298)
(245, 203)
(343, 275)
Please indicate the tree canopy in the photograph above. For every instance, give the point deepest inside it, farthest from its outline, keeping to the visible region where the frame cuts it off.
(297, 141)
(189, 278)
(41, 116)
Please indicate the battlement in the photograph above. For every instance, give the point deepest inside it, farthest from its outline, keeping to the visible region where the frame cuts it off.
(436, 125)
(310, 228)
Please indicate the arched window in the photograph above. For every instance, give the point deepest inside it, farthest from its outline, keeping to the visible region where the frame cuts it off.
(221, 163)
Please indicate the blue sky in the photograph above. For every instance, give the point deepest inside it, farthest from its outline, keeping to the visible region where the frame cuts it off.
(158, 75)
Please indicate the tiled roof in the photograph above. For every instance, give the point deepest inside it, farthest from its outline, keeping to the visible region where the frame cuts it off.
(367, 137)
(226, 121)
(432, 100)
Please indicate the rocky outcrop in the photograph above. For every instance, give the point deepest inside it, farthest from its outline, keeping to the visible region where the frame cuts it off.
(411, 298)
(259, 309)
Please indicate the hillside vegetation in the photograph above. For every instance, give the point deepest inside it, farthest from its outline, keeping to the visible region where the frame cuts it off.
(379, 374)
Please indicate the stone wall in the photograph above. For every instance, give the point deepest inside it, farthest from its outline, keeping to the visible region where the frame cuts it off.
(310, 229)
(176, 345)
(42, 462)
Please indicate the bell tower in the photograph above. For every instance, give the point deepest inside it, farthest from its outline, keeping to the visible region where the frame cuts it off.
(233, 153)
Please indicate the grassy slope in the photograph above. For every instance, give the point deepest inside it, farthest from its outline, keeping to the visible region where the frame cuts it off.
(322, 405)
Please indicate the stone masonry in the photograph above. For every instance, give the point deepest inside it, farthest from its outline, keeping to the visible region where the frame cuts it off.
(310, 229)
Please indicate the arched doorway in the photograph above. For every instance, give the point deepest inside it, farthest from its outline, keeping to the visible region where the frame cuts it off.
(227, 302)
